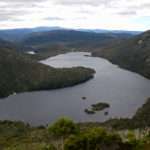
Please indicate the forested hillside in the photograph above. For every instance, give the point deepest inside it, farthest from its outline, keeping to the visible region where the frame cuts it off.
(19, 73)
(54, 42)
(132, 54)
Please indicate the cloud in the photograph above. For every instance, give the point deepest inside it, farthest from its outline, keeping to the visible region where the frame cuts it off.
(84, 2)
(127, 13)
(22, 1)
(6, 15)
(75, 13)
(54, 18)
(19, 3)
(16, 9)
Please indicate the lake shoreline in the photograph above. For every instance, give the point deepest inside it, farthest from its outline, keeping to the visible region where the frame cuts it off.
(88, 76)
(128, 68)
(116, 123)
(106, 86)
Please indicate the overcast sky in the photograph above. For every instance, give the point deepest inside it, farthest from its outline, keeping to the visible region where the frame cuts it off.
(93, 14)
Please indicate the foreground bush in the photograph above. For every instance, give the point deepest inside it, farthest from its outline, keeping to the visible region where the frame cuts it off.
(94, 139)
(64, 134)
(61, 129)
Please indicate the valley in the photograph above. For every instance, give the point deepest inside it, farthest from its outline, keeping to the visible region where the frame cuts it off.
(40, 80)
(74, 75)
(123, 90)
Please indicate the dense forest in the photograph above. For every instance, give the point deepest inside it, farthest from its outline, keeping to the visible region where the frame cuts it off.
(19, 73)
(132, 54)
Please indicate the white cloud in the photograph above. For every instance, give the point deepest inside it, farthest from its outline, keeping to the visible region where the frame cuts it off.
(111, 14)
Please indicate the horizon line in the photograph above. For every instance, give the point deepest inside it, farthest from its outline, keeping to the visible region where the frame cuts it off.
(73, 28)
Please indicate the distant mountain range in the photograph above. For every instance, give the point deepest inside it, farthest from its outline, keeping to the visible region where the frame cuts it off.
(70, 38)
(48, 43)
(54, 36)
(18, 34)
(110, 31)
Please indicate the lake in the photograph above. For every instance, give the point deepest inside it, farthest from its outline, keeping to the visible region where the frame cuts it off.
(125, 91)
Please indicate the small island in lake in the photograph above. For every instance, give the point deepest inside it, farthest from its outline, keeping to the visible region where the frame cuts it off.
(89, 111)
(84, 98)
(100, 106)
(97, 107)
(106, 113)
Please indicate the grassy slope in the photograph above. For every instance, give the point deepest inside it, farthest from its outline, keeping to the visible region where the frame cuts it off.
(132, 54)
(18, 73)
